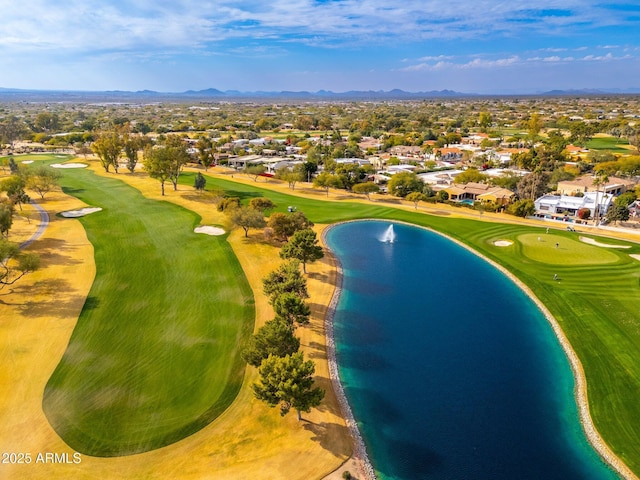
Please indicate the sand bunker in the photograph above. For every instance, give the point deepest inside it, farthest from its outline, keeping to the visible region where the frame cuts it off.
(591, 241)
(209, 230)
(80, 213)
(633, 255)
(26, 162)
(502, 243)
(69, 165)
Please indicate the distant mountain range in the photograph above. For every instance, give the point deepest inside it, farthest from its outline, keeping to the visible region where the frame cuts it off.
(14, 94)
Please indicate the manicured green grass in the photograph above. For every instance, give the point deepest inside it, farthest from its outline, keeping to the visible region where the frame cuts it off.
(155, 354)
(596, 299)
(569, 251)
(612, 144)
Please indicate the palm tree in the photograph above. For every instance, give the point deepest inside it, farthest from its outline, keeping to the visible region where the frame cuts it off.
(600, 180)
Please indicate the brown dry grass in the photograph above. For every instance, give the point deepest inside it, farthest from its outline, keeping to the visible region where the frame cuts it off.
(248, 441)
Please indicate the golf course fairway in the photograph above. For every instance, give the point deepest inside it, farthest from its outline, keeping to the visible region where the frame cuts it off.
(155, 353)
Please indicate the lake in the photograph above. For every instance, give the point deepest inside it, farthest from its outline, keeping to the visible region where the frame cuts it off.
(451, 371)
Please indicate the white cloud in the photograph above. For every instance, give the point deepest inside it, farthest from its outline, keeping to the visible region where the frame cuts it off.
(482, 62)
(133, 24)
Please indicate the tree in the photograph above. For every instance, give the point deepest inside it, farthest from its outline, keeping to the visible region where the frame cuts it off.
(630, 166)
(286, 279)
(275, 338)
(303, 246)
(291, 309)
(131, 146)
(470, 175)
(284, 225)
(13, 167)
(108, 147)
(290, 176)
(617, 213)
(205, 152)
(178, 157)
(261, 203)
(416, 197)
(14, 186)
(522, 208)
(157, 163)
(228, 203)
(6, 218)
(600, 180)
(581, 132)
(13, 264)
(165, 162)
(442, 196)
(255, 171)
(200, 182)
(83, 150)
(485, 121)
(534, 125)
(10, 130)
(307, 169)
(326, 180)
(43, 180)
(288, 382)
(349, 174)
(366, 188)
(625, 199)
(633, 136)
(47, 122)
(508, 180)
(403, 183)
(247, 217)
(533, 185)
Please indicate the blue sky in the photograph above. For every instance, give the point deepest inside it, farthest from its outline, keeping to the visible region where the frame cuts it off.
(479, 46)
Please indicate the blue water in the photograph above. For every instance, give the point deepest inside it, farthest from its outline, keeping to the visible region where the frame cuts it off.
(451, 371)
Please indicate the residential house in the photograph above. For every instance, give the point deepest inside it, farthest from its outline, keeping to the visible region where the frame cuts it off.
(449, 155)
(442, 179)
(408, 151)
(481, 192)
(564, 206)
(584, 184)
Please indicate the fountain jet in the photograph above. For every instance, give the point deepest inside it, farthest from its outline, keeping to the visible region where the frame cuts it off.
(389, 235)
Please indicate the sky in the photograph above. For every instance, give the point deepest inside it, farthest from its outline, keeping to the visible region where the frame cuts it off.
(469, 46)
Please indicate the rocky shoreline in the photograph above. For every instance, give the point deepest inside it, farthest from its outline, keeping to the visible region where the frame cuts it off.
(365, 468)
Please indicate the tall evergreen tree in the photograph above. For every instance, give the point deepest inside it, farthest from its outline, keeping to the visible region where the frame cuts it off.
(288, 382)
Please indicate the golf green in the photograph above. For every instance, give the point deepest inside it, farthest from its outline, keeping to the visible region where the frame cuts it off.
(560, 250)
(155, 353)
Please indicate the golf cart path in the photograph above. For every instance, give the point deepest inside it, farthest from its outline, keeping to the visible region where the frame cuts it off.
(44, 223)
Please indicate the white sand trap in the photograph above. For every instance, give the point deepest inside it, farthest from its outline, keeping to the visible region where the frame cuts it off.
(633, 255)
(80, 213)
(591, 241)
(503, 243)
(69, 165)
(26, 162)
(209, 230)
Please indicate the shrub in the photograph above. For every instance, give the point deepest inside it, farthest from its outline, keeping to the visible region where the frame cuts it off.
(228, 203)
(584, 214)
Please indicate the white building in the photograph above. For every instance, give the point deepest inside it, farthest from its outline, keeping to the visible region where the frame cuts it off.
(555, 205)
